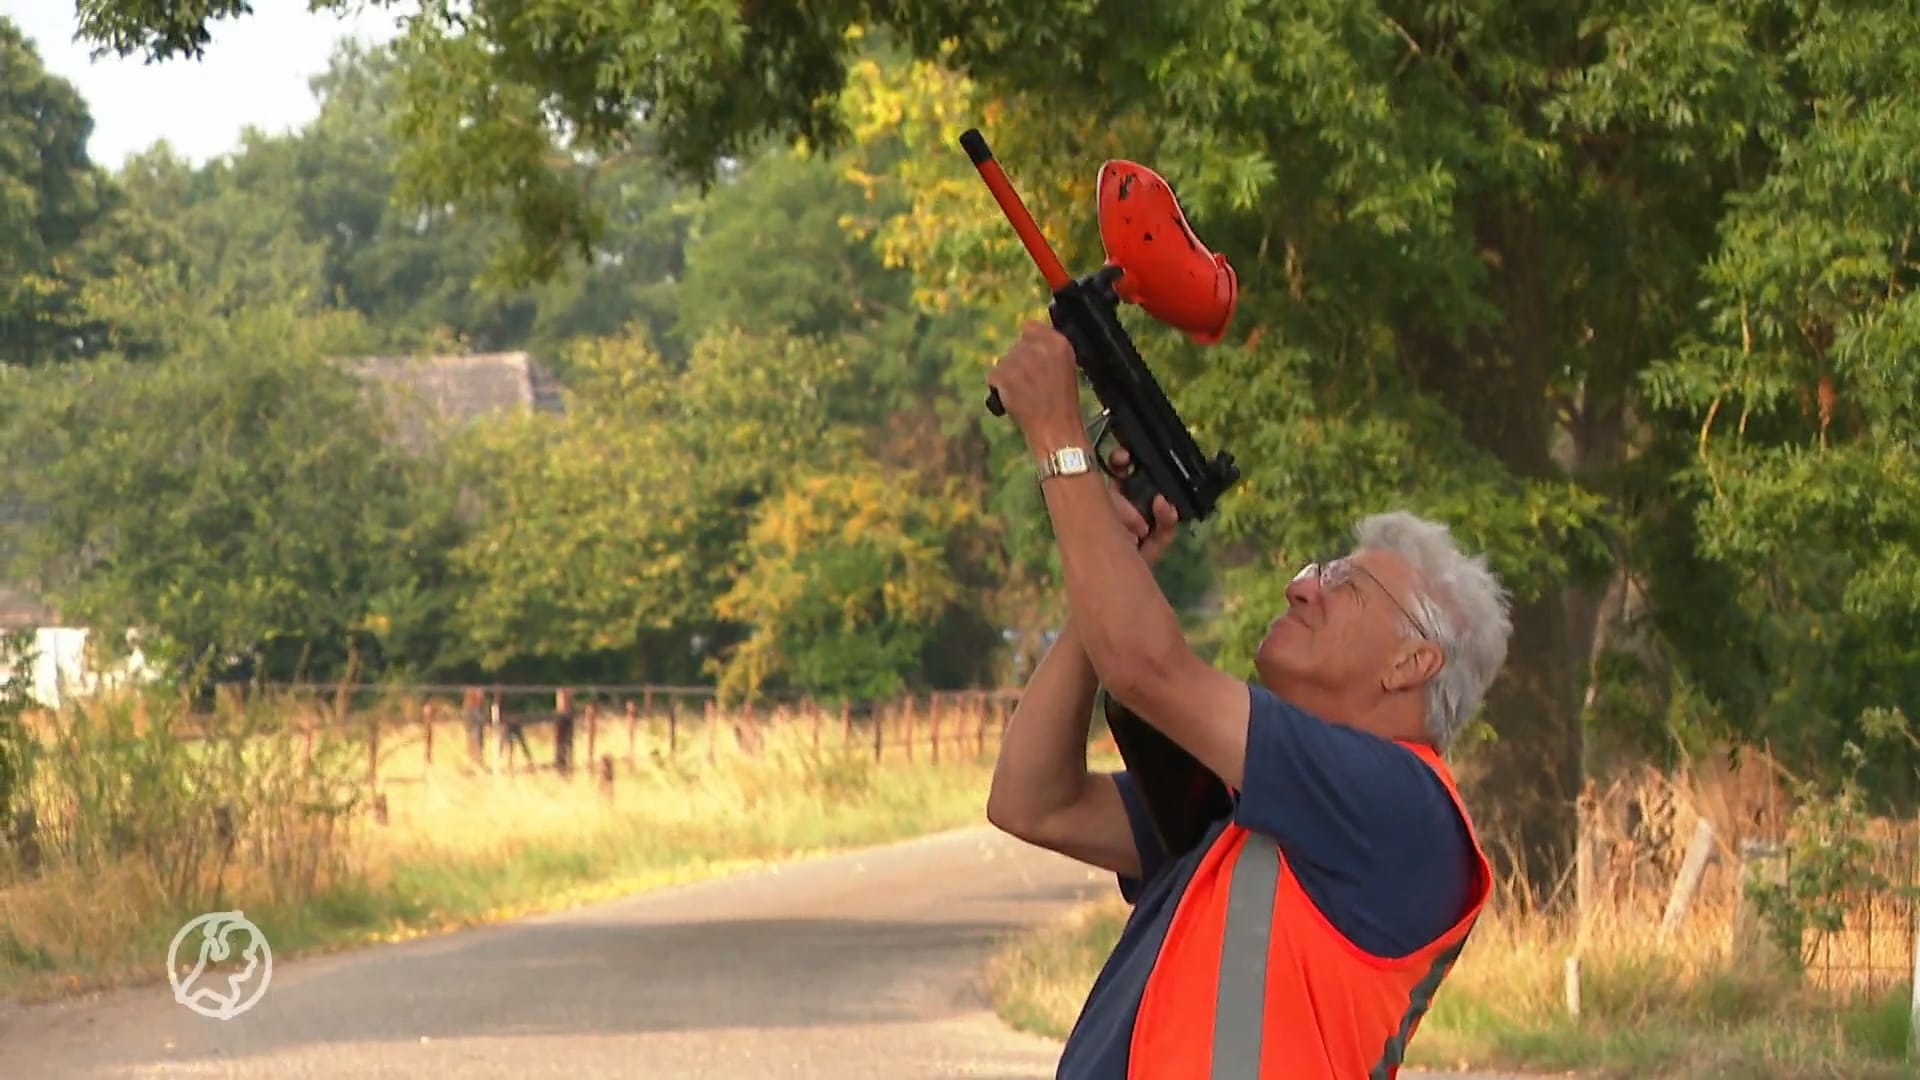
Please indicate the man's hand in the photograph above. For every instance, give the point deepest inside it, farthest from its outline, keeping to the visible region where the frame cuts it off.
(1039, 386)
(1165, 517)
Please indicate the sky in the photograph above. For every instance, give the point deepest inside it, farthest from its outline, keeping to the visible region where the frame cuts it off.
(254, 74)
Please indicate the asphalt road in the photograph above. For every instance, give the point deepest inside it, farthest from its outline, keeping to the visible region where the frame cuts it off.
(858, 965)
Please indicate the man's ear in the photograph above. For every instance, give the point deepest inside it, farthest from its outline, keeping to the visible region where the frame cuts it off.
(1414, 665)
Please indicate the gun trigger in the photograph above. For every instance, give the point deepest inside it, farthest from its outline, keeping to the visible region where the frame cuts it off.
(1098, 434)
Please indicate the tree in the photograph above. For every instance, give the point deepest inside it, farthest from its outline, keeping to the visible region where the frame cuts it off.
(238, 506)
(1499, 265)
(51, 198)
(1798, 391)
(845, 585)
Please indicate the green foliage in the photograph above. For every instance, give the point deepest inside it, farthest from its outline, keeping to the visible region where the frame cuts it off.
(51, 198)
(577, 544)
(846, 580)
(599, 542)
(155, 29)
(1800, 385)
(238, 502)
(16, 742)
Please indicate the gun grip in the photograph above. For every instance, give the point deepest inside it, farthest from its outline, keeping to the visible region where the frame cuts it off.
(1138, 487)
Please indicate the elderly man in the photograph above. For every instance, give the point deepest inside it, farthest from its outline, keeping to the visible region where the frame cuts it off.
(1306, 931)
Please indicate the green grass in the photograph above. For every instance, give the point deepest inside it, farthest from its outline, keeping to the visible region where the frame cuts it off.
(1644, 1015)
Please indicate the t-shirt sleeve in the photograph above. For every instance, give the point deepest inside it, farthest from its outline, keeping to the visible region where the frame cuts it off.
(1153, 855)
(1370, 830)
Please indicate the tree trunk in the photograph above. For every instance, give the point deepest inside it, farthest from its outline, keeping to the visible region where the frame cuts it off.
(1524, 802)
(1526, 783)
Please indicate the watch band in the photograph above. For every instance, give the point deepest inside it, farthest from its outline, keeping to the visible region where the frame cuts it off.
(1064, 461)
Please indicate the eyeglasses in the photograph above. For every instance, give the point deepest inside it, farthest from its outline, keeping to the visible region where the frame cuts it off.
(1333, 573)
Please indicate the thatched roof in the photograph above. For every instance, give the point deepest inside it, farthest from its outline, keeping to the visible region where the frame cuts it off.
(20, 611)
(458, 390)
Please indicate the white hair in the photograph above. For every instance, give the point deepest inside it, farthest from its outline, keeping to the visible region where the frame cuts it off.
(1463, 607)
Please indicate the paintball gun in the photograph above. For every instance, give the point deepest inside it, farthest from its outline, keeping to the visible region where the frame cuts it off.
(1153, 260)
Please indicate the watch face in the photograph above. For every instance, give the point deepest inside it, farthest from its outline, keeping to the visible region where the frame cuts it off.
(1073, 460)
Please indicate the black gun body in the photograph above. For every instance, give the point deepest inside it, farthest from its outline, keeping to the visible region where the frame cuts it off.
(1165, 458)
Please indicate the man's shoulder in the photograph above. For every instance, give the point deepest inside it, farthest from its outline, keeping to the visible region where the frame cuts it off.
(1288, 736)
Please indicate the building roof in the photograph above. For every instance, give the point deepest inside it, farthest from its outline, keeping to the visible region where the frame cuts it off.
(458, 390)
(20, 611)
(470, 386)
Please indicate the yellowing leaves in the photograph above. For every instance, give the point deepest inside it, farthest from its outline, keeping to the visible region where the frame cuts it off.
(847, 576)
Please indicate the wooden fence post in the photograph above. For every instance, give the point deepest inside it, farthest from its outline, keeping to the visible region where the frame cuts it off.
(713, 729)
(26, 839)
(426, 728)
(373, 749)
(633, 722)
(494, 734)
(1687, 882)
(563, 731)
(746, 730)
(1913, 1012)
(906, 738)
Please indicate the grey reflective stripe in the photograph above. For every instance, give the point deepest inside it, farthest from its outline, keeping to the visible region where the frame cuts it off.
(1396, 1048)
(1240, 1007)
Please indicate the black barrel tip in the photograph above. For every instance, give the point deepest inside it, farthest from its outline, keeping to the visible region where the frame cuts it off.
(975, 144)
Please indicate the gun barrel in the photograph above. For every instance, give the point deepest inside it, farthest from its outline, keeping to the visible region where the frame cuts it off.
(975, 144)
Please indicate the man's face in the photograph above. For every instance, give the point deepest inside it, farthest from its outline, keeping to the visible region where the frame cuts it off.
(1339, 644)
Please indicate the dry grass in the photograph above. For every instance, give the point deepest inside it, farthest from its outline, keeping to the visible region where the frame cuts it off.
(1710, 999)
(128, 814)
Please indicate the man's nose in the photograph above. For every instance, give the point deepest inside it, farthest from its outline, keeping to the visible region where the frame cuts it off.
(1302, 590)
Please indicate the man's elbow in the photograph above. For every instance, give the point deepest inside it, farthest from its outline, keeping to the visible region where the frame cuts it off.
(1138, 675)
(1018, 817)
(1004, 814)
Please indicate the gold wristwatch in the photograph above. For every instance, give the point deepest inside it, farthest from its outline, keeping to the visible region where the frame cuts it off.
(1066, 461)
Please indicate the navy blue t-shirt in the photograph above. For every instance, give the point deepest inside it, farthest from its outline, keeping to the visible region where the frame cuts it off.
(1370, 832)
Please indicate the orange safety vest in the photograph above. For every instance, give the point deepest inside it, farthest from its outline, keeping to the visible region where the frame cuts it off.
(1253, 983)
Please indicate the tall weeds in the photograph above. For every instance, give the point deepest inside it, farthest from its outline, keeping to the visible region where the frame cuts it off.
(326, 832)
(231, 800)
(137, 818)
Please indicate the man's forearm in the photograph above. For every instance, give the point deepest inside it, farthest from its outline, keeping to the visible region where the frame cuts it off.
(1124, 620)
(1043, 755)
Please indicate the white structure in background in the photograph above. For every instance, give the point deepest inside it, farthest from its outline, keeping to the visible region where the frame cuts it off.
(63, 666)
